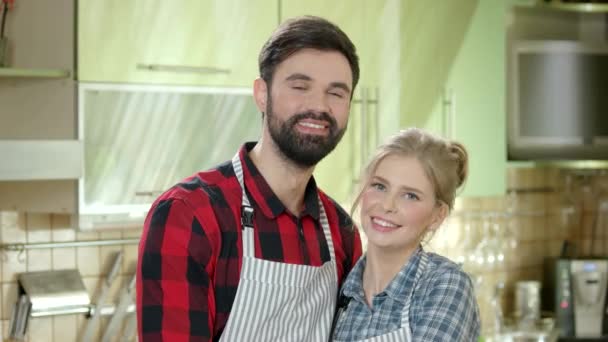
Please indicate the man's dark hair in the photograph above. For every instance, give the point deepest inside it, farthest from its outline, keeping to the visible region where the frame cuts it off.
(301, 33)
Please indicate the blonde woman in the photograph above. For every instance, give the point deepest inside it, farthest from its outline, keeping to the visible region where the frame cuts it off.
(397, 291)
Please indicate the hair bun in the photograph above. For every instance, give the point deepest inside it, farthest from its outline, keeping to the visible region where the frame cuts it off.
(462, 159)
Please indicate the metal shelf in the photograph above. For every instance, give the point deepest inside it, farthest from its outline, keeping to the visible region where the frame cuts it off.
(34, 73)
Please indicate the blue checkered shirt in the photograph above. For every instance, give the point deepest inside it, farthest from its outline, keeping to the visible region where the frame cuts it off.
(443, 308)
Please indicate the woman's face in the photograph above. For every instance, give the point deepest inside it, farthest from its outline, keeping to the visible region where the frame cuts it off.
(398, 205)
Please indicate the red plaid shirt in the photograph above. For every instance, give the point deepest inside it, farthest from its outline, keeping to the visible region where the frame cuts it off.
(190, 252)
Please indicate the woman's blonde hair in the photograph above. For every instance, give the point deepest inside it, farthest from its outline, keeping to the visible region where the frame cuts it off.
(445, 162)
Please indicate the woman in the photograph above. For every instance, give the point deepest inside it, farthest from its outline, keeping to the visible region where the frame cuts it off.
(397, 291)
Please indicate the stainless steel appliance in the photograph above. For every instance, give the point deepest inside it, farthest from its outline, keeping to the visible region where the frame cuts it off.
(576, 292)
(557, 101)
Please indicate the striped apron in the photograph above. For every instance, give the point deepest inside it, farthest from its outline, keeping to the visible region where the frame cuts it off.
(278, 301)
(404, 333)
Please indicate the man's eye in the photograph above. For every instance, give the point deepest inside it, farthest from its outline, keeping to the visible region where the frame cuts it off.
(299, 87)
(337, 94)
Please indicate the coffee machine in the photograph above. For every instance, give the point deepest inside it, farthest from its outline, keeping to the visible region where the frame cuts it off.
(576, 290)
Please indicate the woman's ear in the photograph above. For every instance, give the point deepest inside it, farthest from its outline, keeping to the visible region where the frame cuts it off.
(439, 215)
(260, 94)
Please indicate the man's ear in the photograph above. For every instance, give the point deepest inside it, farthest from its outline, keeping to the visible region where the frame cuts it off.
(260, 94)
(439, 216)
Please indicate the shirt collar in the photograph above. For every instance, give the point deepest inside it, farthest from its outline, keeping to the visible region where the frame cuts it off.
(260, 192)
(353, 285)
(398, 289)
(403, 283)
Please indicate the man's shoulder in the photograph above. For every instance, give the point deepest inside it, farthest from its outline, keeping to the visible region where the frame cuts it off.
(204, 187)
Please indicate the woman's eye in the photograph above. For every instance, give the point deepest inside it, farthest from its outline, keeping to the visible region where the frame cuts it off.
(411, 196)
(378, 186)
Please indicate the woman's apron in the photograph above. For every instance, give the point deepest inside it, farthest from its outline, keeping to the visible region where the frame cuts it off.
(278, 301)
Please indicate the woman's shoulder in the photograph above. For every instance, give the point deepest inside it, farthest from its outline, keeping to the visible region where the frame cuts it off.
(441, 269)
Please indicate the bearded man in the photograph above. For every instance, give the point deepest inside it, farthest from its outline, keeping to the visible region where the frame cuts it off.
(252, 250)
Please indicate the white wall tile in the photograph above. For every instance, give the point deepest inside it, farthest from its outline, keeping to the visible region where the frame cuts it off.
(64, 328)
(39, 260)
(110, 234)
(63, 234)
(40, 329)
(87, 235)
(12, 226)
(64, 258)
(131, 233)
(12, 263)
(88, 261)
(38, 227)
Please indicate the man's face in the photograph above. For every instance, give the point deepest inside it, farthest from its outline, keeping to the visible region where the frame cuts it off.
(308, 103)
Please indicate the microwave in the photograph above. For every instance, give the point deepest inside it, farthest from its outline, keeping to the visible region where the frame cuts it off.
(558, 101)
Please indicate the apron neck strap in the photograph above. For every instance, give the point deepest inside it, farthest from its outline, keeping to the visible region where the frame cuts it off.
(405, 316)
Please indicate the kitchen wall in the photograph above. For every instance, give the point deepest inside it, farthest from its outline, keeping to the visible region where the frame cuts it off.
(544, 212)
(92, 263)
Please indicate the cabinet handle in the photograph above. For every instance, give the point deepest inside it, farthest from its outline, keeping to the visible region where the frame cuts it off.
(449, 120)
(148, 193)
(364, 130)
(182, 68)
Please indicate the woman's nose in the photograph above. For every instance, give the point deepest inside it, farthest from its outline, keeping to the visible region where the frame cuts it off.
(388, 203)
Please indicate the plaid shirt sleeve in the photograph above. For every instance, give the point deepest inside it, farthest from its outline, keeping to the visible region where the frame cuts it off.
(172, 276)
(448, 310)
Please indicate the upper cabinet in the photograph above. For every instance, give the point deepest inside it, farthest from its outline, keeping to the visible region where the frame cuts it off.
(454, 82)
(41, 157)
(181, 42)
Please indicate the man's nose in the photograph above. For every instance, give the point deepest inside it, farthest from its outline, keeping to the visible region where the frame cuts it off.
(318, 102)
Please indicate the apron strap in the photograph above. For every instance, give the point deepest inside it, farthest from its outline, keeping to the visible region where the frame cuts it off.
(326, 229)
(405, 316)
(247, 212)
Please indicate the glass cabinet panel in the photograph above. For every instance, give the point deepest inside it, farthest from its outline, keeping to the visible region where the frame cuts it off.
(141, 140)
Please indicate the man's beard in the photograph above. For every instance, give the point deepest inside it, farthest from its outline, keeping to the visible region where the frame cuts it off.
(305, 150)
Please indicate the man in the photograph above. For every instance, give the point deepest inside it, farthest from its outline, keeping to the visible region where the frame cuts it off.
(252, 250)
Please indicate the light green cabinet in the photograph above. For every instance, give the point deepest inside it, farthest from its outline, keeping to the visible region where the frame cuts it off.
(185, 42)
(454, 83)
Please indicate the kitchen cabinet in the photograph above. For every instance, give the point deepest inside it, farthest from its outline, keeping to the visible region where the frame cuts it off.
(184, 42)
(454, 82)
(373, 28)
(41, 157)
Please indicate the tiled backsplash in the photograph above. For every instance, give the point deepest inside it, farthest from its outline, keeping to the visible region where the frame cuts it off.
(92, 262)
(535, 215)
(541, 211)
